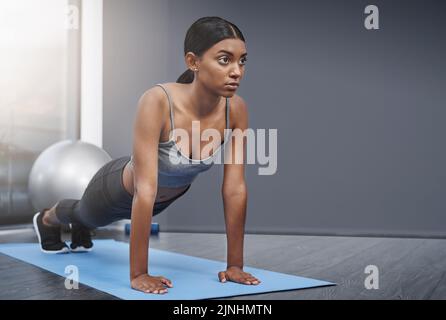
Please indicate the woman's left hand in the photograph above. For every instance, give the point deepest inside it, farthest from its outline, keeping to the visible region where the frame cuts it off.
(236, 274)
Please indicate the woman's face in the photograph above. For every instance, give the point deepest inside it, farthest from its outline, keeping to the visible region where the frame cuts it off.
(222, 64)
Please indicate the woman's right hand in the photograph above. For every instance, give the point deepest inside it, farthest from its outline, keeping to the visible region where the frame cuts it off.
(151, 284)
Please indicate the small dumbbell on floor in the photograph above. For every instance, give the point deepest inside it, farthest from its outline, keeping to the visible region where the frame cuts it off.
(155, 228)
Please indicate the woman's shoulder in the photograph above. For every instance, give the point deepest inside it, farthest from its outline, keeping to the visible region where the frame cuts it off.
(158, 92)
(238, 110)
(237, 100)
(166, 85)
(171, 85)
(174, 89)
(237, 106)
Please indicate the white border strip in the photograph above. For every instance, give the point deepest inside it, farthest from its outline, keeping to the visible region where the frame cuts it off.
(91, 72)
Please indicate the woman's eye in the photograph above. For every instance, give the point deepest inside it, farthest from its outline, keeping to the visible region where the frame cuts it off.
(226, 58)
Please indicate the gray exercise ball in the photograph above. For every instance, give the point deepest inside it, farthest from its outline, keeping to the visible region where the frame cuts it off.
(63, 171)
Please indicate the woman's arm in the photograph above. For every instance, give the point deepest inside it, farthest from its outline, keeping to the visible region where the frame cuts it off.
(234, 189)
(147, 131)
(235, 196)
(235, 217)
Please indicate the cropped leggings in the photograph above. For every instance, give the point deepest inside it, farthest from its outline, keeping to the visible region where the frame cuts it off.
(105, 200)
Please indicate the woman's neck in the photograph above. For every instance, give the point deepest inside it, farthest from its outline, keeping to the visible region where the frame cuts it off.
(202, 101)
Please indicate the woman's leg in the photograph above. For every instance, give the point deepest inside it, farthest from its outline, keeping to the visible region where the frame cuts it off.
(48, 234)
(48, 228)
(103, 202)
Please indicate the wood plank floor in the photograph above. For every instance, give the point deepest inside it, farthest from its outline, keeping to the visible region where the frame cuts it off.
(408, 268)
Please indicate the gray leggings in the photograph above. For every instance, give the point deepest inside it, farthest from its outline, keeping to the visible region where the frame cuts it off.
(105, 200)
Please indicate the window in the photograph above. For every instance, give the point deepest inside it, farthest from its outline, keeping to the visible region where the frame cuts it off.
(39, 90)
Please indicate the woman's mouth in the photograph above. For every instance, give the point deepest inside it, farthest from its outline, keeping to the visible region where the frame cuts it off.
(231, 86)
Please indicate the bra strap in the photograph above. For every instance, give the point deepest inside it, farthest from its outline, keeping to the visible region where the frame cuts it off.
(170, 105)
(227, 113)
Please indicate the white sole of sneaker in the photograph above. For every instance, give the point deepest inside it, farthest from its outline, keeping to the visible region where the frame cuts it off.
(81, 249)
(64, 250)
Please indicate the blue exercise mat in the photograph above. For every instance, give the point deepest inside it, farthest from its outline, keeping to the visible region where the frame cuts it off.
(106, 268)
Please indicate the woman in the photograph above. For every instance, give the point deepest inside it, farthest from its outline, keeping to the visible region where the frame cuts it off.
(143, 185)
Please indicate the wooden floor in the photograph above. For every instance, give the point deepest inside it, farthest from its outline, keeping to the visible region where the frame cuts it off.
(408, 268)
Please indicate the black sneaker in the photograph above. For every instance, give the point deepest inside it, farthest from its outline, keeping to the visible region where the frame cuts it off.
(80, 238)
(48, 236)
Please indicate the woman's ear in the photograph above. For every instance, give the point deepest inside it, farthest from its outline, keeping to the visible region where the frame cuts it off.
(192, 61)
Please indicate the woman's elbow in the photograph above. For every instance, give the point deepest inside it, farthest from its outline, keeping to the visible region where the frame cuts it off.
(146, 192)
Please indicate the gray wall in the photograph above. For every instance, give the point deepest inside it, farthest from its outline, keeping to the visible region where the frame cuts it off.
(360, 114)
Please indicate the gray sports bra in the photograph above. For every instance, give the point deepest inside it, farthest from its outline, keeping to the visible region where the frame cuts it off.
(174, 168)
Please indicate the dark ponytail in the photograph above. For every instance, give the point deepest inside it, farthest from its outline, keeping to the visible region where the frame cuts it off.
(186, 77)
(202, 35)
